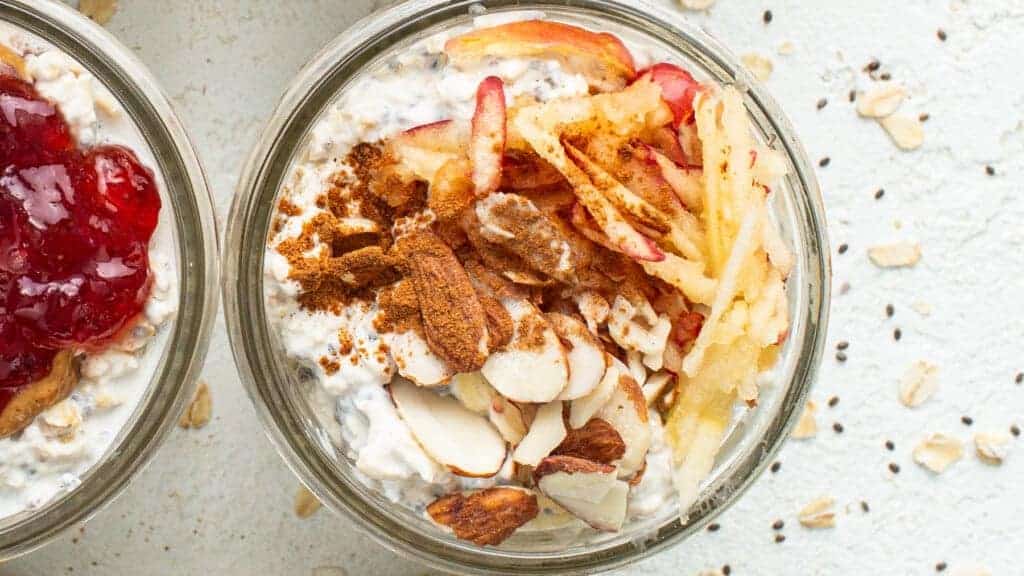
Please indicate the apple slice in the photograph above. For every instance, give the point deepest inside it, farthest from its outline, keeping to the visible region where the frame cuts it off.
(546, 432)
(587, 363)
(685, 182)
(626, 411)
(583, 409)
(533, 366)
(487, 142)
(678, 88)
(601, 57)
(665, 139)
(425, 149)
(451, 434)
(416, 361)
(588, 490)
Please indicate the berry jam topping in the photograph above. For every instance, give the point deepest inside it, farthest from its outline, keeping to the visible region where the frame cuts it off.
(75, 227)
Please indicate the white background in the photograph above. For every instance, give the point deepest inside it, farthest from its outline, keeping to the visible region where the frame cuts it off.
(219, 500)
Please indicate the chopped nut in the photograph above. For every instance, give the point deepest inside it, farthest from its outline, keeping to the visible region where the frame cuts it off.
(697, 4)
(101, 11)
(198, 412)
(992, 448)
(881, 101)
(487, 517)
(818, 514)
(306, 504)
(597, 441)
(918, 384)
(806, 427)
(938, 452)
(896, 255)
(906, 132)
(760, 66)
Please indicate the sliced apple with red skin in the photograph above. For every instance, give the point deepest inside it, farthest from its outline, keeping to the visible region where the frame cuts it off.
(487, 142)
(450, 433)
(666, 140)
(425, 149)
(685, 182)
(678, 88)
(600, 57)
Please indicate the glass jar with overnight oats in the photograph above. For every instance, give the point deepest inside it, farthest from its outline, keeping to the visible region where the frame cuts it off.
(527, 287)
(105, 222)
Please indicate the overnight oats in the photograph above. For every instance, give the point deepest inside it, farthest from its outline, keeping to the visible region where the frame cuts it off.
(87, 271)
(531, 269)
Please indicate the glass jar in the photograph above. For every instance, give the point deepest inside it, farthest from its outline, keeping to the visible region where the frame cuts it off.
(281, 394)
(187, 213)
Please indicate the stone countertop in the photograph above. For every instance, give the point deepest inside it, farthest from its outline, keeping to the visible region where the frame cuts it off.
(220, 500)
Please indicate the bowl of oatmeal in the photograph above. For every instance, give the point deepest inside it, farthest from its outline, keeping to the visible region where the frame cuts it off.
(105, 222)
(527, 287)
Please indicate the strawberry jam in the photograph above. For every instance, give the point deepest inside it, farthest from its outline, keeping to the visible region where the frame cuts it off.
(75, 226)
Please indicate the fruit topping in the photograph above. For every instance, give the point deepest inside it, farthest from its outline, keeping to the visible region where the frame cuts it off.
(487, 142)
(678, 89)
(75, 227)
(600, 57)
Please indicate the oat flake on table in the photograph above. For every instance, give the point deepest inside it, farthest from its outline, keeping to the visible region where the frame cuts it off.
(906, 131)
(896, 255)
(807, 426)
(760, 66)
(198, 412)
(992, 448)
(697, 4)
(918, 384)
(306, 503)
(819, 513)
(938, 452)
(881, 101)
(101, 11)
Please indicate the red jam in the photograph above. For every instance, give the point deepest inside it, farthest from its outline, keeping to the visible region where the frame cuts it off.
(75, 226)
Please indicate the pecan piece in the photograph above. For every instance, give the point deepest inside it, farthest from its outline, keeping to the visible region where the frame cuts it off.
(485, 518)
(33, 399)
(453, 318)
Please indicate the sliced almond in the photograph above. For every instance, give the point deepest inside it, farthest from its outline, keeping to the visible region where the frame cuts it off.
(586, 358)
(760, 66)
(416, 361)
(626, 411)
(596, 441)
(583, 409)
(895, 255)
(306, 503)
(807, 426)
(508, 419)
(546, 432)
(818, 514)
(533, 367)
(486, 517)
(588, 490)
(906, 131)
(473, 391)
(919, 384)
(451, 434)
(881, 101)
(992, 448)
(656, 384)
(938, 452)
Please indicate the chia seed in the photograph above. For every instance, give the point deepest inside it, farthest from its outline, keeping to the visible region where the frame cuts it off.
(1015, 430)
(822, 103)
(833, 401)
(775, 467)
(843, 248)
(941, 566)
(889, 445)
(841, 356)
(778, 525)
(824, 161)
(767, 17)
(924, 117)
(780, 538)
(897, 334)
(873, 66)
(990, 170)
(879, 194)
(890, 310)
(967, 420)
(842, 345)
(864, 506)
(894, 467)
(726, 570)
(838, 428)
(713, 527)
(941, 34)
(853, 95)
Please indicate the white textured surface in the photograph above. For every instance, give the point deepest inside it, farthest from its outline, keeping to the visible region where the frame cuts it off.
(219, 501)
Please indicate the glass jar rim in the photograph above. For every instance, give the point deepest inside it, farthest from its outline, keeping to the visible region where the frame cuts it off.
(198, 269)
(306, 98)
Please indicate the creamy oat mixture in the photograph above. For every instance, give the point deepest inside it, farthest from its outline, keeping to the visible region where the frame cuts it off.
(355, 351)
(52, 454)
(414, 89)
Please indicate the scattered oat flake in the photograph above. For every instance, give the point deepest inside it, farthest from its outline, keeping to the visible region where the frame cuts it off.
(198, 412)
(922, 308)
(807, 426)
(760, 66)
(101, 11)
(919, 383)
(938, 452)
(895, 255)
(881, 101)
(905, 131)
(970, 571)
(786, 48)
(819, 514)
(992, 448)
(306, 504)
(697, 4)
